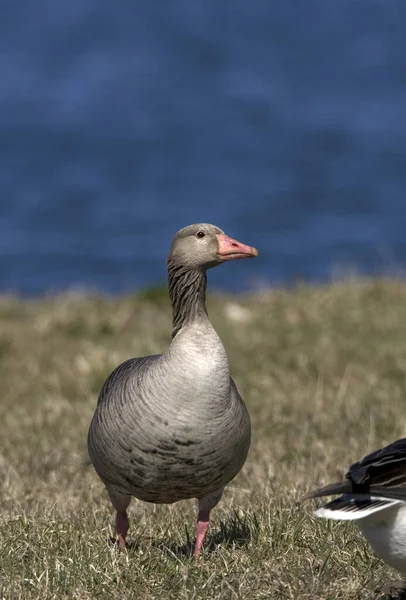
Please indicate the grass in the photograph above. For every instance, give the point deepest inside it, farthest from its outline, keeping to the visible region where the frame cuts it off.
(323, 372)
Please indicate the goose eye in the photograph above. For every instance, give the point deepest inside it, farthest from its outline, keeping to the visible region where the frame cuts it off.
(200, 234)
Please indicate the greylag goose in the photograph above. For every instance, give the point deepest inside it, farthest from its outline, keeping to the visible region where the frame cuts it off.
(373, 494)
(173, 426)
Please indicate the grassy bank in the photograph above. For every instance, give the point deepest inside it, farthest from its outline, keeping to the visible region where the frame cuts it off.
(323, 372)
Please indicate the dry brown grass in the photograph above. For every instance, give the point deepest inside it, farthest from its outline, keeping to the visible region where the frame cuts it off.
(323, 372)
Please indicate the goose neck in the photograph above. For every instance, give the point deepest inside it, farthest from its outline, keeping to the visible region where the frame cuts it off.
(187, 291)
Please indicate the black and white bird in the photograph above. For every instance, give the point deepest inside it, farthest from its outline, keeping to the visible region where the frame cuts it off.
(373, 494)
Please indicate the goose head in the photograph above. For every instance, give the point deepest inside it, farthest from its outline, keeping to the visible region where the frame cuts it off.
(203, 246)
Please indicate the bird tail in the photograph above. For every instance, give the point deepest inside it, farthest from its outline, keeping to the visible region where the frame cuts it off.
(339, 487)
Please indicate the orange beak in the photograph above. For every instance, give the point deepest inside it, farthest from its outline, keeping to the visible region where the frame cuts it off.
(230, 249)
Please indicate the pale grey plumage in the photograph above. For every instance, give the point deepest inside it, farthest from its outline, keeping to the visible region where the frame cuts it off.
(173, 426)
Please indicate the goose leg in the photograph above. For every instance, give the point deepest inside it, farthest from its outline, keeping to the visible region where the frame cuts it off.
(120, 502)
(202, 525)
(122, 526)
(205, 505)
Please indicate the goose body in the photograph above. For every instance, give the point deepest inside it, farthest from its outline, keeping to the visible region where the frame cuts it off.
(173, 426)
(373, 494)
(186, 434)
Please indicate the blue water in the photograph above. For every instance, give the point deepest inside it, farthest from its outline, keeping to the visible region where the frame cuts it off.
(281, 122)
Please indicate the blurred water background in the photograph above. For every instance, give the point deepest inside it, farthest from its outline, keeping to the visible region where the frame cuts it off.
(281, 122)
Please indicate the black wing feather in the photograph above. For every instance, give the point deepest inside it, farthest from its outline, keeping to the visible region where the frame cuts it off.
(382, 473)
(383, 469)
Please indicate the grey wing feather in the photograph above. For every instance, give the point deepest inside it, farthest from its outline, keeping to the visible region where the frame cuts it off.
(122, 371)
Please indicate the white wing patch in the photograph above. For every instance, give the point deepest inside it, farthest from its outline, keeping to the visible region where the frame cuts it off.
(354, 508)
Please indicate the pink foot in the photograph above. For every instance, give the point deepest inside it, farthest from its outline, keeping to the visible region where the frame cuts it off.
(122, 526)
(202, 526)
